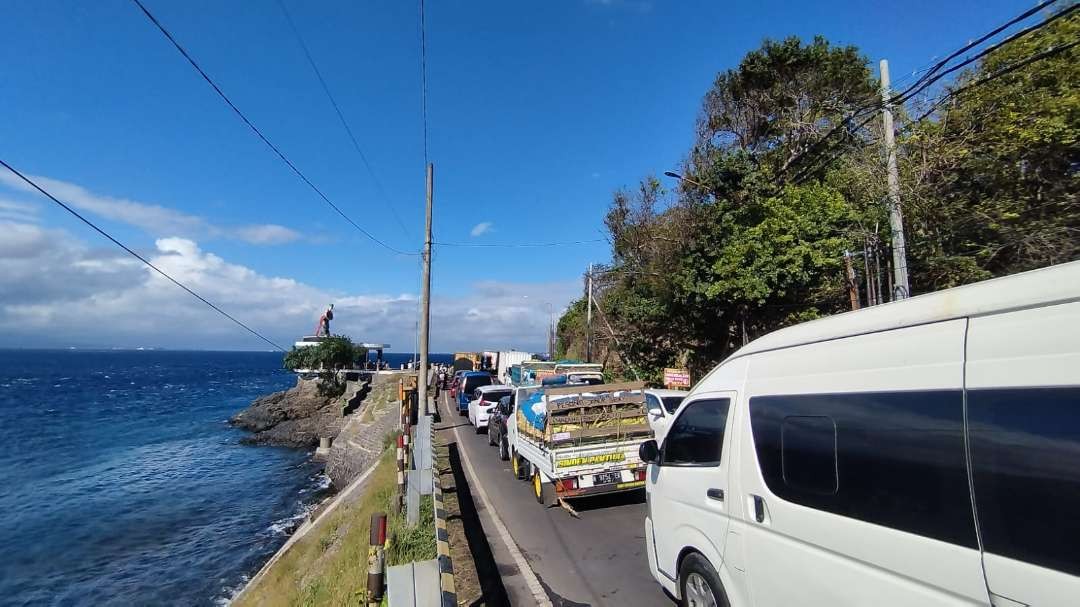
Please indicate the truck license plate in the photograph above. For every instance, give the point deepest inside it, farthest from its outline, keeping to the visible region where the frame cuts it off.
(607, 478)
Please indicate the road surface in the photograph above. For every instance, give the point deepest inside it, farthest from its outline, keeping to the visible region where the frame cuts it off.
(598, 559)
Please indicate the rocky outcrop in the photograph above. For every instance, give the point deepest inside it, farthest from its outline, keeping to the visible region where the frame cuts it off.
(296, 417)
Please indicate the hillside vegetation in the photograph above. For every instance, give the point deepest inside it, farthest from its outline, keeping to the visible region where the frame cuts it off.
(787, 172)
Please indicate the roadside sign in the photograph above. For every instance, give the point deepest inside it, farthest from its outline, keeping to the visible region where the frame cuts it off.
(677, 378)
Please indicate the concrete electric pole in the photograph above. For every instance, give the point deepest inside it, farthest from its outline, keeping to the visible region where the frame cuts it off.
(425, 298)
(588, 319)
(901, 289)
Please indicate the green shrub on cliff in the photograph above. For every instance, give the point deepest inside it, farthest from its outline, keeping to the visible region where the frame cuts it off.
(336, 352)
(332, 353)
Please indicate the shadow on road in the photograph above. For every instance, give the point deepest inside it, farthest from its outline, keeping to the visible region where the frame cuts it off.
(491, 586)
(610, 500)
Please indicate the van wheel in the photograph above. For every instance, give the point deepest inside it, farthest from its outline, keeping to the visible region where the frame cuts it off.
(504, 449)
(544, 492)
(699, 584)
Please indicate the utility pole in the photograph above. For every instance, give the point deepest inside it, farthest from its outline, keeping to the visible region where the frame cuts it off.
(425, 297)
(849, 273)
(588, 320)
(896, 220)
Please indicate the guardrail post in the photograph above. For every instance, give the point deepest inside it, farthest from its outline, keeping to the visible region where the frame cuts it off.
(376, 559)
(400, 500)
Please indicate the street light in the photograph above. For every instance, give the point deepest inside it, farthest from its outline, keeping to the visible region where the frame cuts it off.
(675, 175)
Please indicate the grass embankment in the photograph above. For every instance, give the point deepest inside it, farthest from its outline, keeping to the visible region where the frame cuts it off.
(328, 566)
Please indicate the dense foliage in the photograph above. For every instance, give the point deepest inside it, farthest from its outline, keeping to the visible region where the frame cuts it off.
(754, 238)
(335, 352)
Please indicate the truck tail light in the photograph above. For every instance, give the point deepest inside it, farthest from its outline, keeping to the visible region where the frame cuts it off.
(568, 484)
(639, 474)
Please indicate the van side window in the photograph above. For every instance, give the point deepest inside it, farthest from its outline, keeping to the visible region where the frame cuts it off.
(1025, 450)
(696, 438)
(808, 453)
(894, 459)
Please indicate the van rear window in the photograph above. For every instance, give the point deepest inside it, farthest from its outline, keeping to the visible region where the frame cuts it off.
(475, 381)
(1025, 449)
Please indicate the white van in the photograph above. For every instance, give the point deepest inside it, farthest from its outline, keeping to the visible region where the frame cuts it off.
(924, 452)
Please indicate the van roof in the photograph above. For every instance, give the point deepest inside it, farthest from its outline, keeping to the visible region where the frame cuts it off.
(1037, 288)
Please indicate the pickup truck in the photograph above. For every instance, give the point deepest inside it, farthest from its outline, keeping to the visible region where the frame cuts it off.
(577, 440)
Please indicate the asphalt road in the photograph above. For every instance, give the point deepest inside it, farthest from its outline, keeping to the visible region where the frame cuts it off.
(597, 559)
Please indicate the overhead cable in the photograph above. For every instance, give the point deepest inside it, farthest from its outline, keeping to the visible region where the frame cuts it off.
(153, 267)
(259, 133)
(341, 115)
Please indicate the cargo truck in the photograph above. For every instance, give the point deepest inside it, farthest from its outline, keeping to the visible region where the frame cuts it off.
(578, 440)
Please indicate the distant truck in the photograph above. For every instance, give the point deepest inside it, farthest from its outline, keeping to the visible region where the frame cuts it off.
(534, 372)
(576, 440)
(506, 359)
(466, 361)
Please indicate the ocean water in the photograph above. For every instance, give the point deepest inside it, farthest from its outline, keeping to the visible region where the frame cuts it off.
(121, 482)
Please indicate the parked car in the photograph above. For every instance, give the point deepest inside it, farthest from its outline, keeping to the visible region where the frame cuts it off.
(455, 384)
(467, 383)
(924, 452)
(502, 412)
(483, 401)
(661, 405)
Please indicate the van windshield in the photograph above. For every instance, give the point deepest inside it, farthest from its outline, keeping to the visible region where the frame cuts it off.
(671, 403)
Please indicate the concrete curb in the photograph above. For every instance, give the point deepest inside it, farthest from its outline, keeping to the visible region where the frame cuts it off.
(442, 539)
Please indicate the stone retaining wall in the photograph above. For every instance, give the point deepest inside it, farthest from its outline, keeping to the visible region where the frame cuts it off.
(362, 437)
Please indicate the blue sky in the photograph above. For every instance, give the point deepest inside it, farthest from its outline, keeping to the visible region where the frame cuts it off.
(536, 111)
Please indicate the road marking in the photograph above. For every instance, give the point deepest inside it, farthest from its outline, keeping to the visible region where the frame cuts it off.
(531, 580)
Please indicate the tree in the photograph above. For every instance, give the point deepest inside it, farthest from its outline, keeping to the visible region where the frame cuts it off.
(753, 240)
(327, 357)
(991, 178)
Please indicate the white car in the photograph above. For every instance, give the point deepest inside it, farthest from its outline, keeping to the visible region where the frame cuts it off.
(661, 406)
(484, 399)
(924, 452)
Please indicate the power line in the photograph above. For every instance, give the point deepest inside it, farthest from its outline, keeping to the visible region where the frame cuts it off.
(1056, 50)
(258, 133)
(903, 95)
(340, 115)
(133, 253)
(523, 245)
(1050, 52)
(929, 77)
(987, 51)
(924, 82)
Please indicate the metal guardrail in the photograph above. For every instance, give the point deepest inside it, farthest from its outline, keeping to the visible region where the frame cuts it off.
(424, 583)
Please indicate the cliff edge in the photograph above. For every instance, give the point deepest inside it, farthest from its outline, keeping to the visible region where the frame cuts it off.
(296, 417)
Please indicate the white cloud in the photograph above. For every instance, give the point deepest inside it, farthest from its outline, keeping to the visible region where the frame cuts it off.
(153, 219)
(481, 228)
(12, 210)
(267, 234)
(56, 291)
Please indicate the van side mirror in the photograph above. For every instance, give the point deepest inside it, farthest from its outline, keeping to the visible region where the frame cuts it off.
(649, 452)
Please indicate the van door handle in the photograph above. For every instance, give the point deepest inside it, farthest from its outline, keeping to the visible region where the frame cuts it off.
(759, 509)
(715, 494)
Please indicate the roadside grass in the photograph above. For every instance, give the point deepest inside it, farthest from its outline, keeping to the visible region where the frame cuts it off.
(328, 566)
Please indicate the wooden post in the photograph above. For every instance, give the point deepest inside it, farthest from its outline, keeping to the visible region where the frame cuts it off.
(853, 289)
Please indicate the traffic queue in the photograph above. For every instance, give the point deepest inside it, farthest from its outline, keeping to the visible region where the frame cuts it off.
(924, 452)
